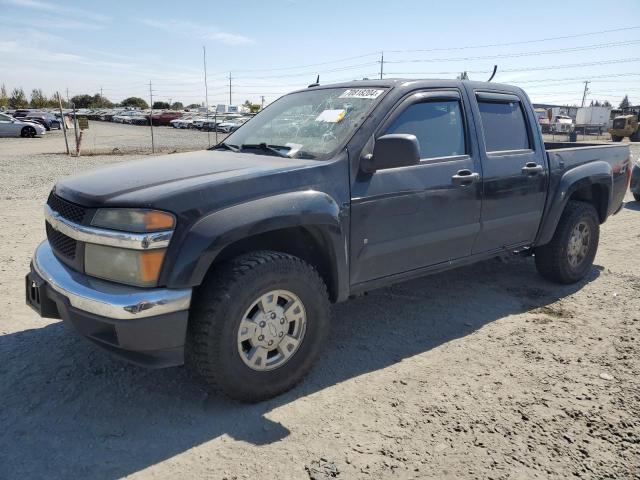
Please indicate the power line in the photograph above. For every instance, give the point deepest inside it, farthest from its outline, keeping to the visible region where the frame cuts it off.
(521, 42)
(519, 54)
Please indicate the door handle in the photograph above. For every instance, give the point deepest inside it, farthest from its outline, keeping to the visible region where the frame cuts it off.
(465, 177)
(532, 168)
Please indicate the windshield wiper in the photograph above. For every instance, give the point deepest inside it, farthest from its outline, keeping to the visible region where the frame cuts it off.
(273, 149)
(228, 146)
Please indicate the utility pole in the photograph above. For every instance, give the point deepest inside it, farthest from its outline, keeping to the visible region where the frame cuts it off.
(206, 94)
(62, 121)
(381, 64)
(153, 146)
(262, 105)
(586, 90)
(230, 102)
(68, 103)
(101, 101)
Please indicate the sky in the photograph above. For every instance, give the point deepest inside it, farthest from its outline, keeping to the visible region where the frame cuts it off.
(271, 47)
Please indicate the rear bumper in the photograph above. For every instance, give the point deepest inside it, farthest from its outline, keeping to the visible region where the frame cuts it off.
(144, 326)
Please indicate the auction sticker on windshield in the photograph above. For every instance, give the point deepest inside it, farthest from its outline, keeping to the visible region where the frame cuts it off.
(361, 93)
(331, 116)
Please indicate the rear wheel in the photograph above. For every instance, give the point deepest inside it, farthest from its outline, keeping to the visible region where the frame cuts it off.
(28, 132)
(636, 197)
(568, 257)
(257, 325)
(636, 136)
(615, 138)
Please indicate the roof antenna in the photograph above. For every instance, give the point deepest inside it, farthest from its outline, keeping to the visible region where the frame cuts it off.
(495, 69)
(316, 84)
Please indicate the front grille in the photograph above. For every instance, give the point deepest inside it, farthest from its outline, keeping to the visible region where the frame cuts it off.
(60, 243)
(619, 123)
(68, 210)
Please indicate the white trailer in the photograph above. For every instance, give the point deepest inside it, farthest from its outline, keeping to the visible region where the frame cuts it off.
(593, 119)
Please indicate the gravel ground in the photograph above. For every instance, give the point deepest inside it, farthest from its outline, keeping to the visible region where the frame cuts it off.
(482, 372)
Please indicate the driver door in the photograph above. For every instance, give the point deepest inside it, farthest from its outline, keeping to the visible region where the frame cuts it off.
(408, 218)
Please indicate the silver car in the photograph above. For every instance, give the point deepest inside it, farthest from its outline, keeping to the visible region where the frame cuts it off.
(11, 127)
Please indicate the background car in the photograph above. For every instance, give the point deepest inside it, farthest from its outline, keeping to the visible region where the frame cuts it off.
(12, 127)
(47, 120)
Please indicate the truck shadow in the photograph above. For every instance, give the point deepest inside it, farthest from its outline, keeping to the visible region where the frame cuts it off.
(69, 410)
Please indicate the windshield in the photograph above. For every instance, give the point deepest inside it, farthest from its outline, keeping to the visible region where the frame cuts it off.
(312, 124)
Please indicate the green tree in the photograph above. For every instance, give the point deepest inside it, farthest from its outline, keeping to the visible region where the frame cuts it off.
(4, 99)
(253, 107)
(98, 101)
(625, 102)
(18, 99)
(177, 106)
(606, 103)
(161, 105)
(38, 99)
(134, 102)
(82, 101)
(193, 105)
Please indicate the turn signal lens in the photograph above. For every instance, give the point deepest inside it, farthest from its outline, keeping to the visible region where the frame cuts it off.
(150, 264)
(133, 220)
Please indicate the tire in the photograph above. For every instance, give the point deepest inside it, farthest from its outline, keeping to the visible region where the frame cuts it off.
(28, 132)
(636, 136)
(636, 197)
(228, 302)
(614, 138)
(556, 260)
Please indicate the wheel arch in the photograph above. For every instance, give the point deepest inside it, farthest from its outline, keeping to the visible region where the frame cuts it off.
(309, 225)
(591, 182)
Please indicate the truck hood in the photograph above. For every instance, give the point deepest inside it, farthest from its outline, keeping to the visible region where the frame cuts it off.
(156, 180)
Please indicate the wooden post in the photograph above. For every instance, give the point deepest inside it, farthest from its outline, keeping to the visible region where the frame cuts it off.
(64, 127)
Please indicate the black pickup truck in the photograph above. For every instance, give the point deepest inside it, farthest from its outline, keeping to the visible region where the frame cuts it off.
(228, 259)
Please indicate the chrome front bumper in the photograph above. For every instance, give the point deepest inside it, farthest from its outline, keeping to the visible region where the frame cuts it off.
(106, 299)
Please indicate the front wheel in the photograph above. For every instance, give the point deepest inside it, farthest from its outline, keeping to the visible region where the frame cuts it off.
(257, 325)
(28, 132)
(568, 257)
(636, 197)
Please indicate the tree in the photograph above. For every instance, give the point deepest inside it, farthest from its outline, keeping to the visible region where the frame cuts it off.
(82, 101)
(625, 103)
(38, 99)
(253, 107)
(606, 103)
(177, 106)
(161, 105)
(4, 99)
(135, 102)
(18, 99)
(193, 105)
(99, 101)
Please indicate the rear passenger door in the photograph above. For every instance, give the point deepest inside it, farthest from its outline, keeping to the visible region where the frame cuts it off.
(514, 171)
(411, 217)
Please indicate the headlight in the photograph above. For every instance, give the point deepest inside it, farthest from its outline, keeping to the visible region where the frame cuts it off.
(123, 265)
(133, 267)
(138, 220)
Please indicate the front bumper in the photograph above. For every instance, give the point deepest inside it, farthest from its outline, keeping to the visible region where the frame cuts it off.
(142, 325)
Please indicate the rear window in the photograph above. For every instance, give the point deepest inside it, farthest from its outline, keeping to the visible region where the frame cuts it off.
(504, 126)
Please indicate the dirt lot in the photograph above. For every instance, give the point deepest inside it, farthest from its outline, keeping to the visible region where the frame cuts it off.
(482, 372)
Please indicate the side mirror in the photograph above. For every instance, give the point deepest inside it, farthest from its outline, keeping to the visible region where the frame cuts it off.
(392, 151)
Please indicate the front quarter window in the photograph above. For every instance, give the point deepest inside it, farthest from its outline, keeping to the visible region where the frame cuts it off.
(311, 124)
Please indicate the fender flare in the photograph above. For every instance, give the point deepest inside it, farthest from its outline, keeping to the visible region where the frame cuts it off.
(586, 175)
(212, 233)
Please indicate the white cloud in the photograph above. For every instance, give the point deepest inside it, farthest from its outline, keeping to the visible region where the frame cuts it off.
(190, 29)
(43, 6)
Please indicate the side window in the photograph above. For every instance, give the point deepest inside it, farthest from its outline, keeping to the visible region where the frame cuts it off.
(4, 118)
(504, 126)
(437, 125)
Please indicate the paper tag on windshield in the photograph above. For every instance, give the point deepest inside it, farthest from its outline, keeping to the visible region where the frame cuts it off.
(331, 116)
(361, 93)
